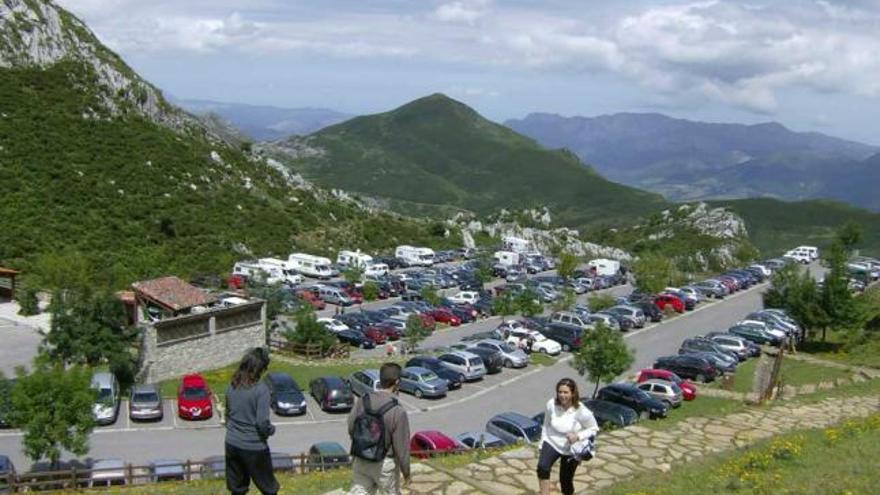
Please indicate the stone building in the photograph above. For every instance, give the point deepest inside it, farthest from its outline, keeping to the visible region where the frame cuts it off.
(184, 329)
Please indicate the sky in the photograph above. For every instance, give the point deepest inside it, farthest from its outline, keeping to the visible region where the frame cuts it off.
(813, 65)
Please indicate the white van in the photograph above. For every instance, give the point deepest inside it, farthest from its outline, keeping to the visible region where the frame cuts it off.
(376, 270)
(348, 259)
(310, 266)
(272, 270)
(506, 258)
(811, 250)
(799, 255)
(414, 256)
(604, 266)
(516, 244)
(334, 295)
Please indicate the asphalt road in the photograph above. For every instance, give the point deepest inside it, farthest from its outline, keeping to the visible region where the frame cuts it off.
(464, 410)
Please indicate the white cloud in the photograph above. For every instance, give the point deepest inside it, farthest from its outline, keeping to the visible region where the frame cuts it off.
(466, 11)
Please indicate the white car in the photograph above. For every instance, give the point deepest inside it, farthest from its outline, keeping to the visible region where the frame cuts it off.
(764, 270)
(465, 297)
(333, 324)
(376, 270)
(521, 336)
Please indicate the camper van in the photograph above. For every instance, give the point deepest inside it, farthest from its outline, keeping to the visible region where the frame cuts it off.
(348, 259)
(799, 255)
(376, 270)
(414, 256)
(812, 251)
(517, 245)
(310, 266)
(604, 266)
(272, 270)
(506, 258)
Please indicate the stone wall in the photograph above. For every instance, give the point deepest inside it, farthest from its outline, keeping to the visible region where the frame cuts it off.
(200, 342)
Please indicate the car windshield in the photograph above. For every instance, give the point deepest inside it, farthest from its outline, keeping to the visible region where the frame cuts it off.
(191, 393)
(105, 395)
(145, 397)
(508, 347)
(533, 432)
(322, 268)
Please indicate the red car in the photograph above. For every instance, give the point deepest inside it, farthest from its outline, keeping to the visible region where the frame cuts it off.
(388, 331)
(688, 389)
(444, 315)
(376, 335)
(664, 300)
(194, 398)
(311, 298)
(425, 443)
(428, 321)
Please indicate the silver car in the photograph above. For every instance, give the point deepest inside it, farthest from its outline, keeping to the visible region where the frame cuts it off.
(422, 382)
(145, 403)
(513, 356)
(636, 315)
(364, 381)
(465, 363)
(663, 391)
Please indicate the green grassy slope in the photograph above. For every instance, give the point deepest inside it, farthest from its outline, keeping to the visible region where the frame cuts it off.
(136, 199)
(775, 226)
(436, 150)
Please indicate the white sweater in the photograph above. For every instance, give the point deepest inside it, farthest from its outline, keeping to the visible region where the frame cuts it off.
(558, 423)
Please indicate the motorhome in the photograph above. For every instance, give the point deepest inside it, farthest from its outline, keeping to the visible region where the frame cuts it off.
(507, 258)
(517, 244)
(799, 255)
(811, 250)
(349, 259)
(414, 256)
(310, 266)
(376, 270)
(271, 270)
(603, 266)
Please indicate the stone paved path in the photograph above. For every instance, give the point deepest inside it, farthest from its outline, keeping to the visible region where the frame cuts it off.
(626, 452)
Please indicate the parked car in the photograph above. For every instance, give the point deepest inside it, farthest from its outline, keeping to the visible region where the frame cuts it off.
(606, 319)
(423, 444)
(355, 338)
(145, 403)
(375, 335)
(422, 382)
(7, 468)
(445, 315)
(631, 396)
(106, 406)
(688, 389)
(333, 325)
(702, 344)
(194, 398)
(755, 334)
(610, 413)
(512, 427)
(512, 356)
(651, 311)
(492, 359)
(465, 297)
(663, 391)
(327, 455)
(711, 289)
(743, 348)
(331, 393)
(633, 314)
(453, 379)
(363, 381)
(107, 472)
(663, 301)
(286, 396)
(167, 470)
(687, 366)
(722, 362)
(569, 337)
(468, 364)
(570, 318)
(479, 440)
(533, 340)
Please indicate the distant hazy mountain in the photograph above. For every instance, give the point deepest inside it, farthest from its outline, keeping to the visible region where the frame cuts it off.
(687, 160)
(265, 123)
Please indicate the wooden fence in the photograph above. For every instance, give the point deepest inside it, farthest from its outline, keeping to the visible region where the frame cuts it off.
(310, 350)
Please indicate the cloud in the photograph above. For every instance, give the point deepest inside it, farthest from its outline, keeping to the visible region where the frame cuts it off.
(461, 11)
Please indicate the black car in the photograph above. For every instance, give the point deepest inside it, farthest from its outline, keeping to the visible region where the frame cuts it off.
(354, 320)
(610, 413)
(755, 334)
(6, 469)
(392, 262)
(492, 359)
(652, 312)
(453, 379)
(633, 397)
(355, 338)
(568, 336)
(332, 393)
(687, 366)
(287, 398)
(700, 344)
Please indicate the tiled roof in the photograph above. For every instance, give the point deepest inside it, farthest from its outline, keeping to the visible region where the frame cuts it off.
(8, 271)
(173, 293)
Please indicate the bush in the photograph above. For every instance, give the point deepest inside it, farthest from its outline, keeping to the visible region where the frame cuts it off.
(371, 291)
(27, 301)
(601, 301)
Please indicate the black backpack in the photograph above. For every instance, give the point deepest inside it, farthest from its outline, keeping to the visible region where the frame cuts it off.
(368, 432)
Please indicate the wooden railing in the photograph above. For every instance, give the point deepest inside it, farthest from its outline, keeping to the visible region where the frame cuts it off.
(310, 350)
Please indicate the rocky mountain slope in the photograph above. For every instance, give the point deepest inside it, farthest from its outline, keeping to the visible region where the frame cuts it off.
(687, 160)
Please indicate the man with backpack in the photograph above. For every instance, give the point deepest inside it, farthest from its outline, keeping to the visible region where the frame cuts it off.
(379, 430)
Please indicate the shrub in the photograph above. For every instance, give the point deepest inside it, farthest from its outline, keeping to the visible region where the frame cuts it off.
(27, 301)
(599, 302)
(370, 291)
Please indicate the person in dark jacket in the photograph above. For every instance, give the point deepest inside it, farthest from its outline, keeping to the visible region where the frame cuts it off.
(248, 427)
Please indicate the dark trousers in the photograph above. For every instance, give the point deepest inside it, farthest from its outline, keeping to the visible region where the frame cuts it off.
(567, 466)
(242, 466)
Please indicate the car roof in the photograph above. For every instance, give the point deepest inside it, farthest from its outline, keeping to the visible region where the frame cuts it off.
(621, 386)
(280, 378)
(113, 463)
(332, 381)
(418, 370)
(657, 382)
(463, 354)
(370, 372)
(515, 418)
(439, 438)
(145, 388)
(329, 448)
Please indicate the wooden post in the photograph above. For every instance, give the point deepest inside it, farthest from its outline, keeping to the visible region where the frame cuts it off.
(302, 463)
(73, 480)
(187, 473)
(129, 474)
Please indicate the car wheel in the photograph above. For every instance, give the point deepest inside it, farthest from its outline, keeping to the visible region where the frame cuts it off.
(508, 363)
(566, 347)
(418, 393)
(545, 351)
(700, 378)
(668, 403)
(460, 378)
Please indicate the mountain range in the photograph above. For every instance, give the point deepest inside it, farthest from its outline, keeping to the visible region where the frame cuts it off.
(688, 160)
(266, 123)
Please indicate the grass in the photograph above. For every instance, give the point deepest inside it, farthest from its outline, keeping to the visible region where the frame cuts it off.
(542, 359)
(703, 406)
(795, 373)
(838, 460)
(303, 374)
(835, 348)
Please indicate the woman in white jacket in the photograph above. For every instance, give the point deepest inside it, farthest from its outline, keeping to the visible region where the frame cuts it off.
(566, 421)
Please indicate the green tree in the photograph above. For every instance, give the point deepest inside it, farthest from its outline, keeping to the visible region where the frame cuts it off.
(414, 333)
(527, 303)
(371, 291)
(6, 386)
(274, 295)
(53, 407)
(504, 305)
(796, 291)
(850, 234)
(307, 330)
(598, 302)
(567, 298)
(429, 295)
(654, 272)
(483, 268)
(354, 274)
(568, 263)
(602, 356)
(835, 298)
(28, 303)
